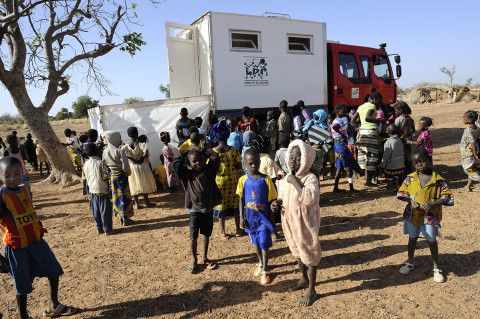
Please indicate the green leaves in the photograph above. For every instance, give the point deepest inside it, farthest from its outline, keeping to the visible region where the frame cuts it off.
(132, 43)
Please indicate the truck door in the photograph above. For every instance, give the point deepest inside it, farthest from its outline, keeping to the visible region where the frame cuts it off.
(382, 78)
(182, 60)
(349, 81)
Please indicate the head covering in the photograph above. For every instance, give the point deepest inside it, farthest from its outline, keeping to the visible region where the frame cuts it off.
(322, 115)
(307, 157)
(221, 131)
(248, 137)
(164, 137)
(114, 139)
(261, 143)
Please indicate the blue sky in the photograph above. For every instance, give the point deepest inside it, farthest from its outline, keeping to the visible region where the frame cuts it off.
(427, 35)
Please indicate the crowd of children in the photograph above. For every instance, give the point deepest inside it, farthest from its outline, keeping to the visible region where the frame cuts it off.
(263, 176)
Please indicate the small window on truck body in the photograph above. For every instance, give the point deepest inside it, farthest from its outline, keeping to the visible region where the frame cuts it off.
(244, 40)
(380, 67)
(348, 65)
(365, 66)
(299, 43)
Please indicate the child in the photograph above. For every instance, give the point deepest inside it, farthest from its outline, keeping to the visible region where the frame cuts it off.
(425, 192)
(424, 139)
(343, 157)
(226, 179)
(280, 156)
(393, 160)
(306, 116)
(284, 123)
(96, 174)
(271, 131)
(143, 140)
(236, 137)
(19, 153)
(28, 254)
(161, 173)
(248, 123)
(182, 126)
(406, 128)
(141, 180)
(297, 118)
(42, 157)
(248, 138)
(298, 200)
(194, 139)
(31, 153)
(117, 162)
(267, 166)
(201, 196)
(198, 123)
(168, 157)
(256, 193)
(352, 134)
(469, 149)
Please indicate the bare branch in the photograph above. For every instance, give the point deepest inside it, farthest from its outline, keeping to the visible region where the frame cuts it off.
(13, 16)
(69, 18)
(76, 28)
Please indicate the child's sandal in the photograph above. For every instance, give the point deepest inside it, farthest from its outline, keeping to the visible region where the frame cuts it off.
(406, 268)
(258, 270)
(265, 280)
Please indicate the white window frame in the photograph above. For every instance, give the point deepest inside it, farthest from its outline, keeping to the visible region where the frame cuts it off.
(259, 41)
(302, 36)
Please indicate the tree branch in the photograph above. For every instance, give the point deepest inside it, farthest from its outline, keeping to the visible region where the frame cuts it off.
(16, 15)
(76, 28)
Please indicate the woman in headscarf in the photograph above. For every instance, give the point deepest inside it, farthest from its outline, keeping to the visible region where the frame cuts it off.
(227, 178)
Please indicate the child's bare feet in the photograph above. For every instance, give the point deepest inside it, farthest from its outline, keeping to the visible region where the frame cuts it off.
(467, 189)
(302, 283)
(308, 299)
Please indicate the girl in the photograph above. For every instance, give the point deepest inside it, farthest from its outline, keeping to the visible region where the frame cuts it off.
(117, 162)
(141, 181)
(424, 139)
(226, 179)
(406, 128)
(469, 149)
(343, 156)
(168, 157)
(298, 200)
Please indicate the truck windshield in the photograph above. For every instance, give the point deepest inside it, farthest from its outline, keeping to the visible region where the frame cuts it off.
(380, 67)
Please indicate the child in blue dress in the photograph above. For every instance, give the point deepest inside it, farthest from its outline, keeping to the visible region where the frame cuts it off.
(256, 193)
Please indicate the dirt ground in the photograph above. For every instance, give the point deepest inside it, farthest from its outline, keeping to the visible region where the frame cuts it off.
(140, 272)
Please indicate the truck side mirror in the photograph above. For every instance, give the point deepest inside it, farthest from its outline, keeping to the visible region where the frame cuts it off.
(399, 70)
(397, 59)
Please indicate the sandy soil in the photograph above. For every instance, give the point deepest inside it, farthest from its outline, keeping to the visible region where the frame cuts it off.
(141, 271)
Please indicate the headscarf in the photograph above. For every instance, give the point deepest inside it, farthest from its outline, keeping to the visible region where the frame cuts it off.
(248, 137)
(164, 137)
(220, 131)
(322, 115)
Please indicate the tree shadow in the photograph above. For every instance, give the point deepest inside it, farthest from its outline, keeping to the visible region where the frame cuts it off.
(194, 302)
(331, 199)
(454, 175)
(335, 224)
(157, 223)
(50, 203)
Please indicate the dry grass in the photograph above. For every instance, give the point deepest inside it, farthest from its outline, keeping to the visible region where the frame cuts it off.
(8, 127)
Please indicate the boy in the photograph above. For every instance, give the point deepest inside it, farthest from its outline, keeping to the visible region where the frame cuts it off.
(161, 174)
(96, 175)
(248, 123)
(28, 254)
(201, 196)
(284, 120)
(194, 139)
(393, 161)
(256, 193)
(425, 192)
(271, 131)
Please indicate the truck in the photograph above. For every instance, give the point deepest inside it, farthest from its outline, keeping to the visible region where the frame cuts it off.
(257, 61)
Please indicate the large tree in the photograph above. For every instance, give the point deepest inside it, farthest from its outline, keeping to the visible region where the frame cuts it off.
(41, 41)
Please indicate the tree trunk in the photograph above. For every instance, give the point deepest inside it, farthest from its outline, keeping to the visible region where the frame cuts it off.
(63, 170)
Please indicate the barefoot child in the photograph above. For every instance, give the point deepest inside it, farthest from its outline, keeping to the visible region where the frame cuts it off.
(469, 149)
(298, 200)
(226, 179)
(424, 139)
(168, 157)
(256, 193)
(343, 157)
(28, 254)
(96, 175)
(425, 192)
(117, 162)
(201, 196)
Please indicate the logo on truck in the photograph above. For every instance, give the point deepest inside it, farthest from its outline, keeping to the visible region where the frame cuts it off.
(256, 72)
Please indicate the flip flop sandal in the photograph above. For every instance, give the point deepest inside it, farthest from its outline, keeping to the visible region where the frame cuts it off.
(406, 268)
(437, 276)
(210, 264)
(226, 237)
(61, 310)
(258, 270)
(192, 268)
(265, 280)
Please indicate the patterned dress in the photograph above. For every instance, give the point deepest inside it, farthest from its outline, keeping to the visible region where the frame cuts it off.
(227, 181)
(172, 177)
(427, 142)
(141, 180)
(469, 164)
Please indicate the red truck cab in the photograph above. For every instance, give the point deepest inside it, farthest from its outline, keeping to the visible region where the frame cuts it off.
(355, 72)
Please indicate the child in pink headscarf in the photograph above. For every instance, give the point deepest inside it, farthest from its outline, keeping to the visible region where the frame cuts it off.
(298, 199)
